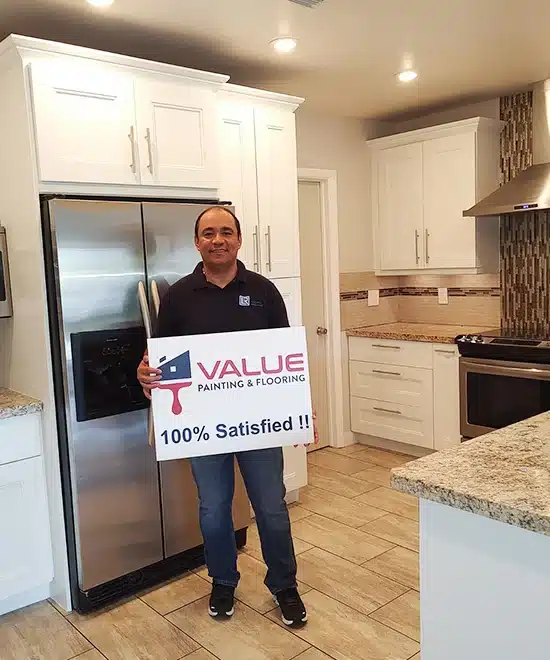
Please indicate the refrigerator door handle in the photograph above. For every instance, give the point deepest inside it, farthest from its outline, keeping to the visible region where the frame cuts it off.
(155, 297)
(148, 331)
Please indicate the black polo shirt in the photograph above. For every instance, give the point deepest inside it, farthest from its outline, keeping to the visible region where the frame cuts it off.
(194, 306)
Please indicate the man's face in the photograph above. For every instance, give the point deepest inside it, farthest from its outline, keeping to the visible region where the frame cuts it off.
(218, 241)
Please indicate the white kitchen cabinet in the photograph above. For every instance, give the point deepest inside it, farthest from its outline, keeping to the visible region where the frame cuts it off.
(237, 146)
(422, 181)
(176, 125)
(25, 551)
(446, 397)
(291, 291)
(400, 207)
(277, 192)
(85, 125)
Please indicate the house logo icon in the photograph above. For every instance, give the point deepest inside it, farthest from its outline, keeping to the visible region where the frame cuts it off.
(176, 375)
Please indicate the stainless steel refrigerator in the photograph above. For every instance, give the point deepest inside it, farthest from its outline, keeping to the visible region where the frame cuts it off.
(131, 522)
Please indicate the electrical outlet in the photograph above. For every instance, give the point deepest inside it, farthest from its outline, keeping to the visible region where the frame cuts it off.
(443, 296)
(373, 298)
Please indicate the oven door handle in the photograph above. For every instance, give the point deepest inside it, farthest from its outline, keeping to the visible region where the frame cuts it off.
(144, 306)
(528, 370)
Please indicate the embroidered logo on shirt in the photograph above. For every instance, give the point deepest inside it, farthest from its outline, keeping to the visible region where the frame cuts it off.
(244, 301)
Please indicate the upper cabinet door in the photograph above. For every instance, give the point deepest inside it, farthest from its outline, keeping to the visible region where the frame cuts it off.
(84, 124)
(177, 134)
(277, 192)
(238, 173)
(399, 226)
(449, 188)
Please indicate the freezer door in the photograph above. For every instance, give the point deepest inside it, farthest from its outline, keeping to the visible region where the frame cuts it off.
(98, 252)
(170, 255)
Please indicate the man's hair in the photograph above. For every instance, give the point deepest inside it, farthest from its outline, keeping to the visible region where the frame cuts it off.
(221, 208)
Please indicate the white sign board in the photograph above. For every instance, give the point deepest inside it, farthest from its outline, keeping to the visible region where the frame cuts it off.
(230, 392)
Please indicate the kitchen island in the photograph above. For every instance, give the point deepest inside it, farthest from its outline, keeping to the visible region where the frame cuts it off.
(485, 544)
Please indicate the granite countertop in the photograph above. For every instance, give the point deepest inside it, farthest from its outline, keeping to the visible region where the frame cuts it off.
(504, 475)
(13, 404)
(431, 332)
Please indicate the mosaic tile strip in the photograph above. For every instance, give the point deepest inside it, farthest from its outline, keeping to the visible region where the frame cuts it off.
(422, 291)
(516, 138)
(525, 258)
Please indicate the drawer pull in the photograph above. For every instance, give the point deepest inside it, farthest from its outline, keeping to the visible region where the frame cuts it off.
(386, 373)
(440, 350)
(395, 348)
(387, 410)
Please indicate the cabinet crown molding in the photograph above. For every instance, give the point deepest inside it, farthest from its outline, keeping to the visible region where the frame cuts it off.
(438, 131)
(290, 102)
(30, 45)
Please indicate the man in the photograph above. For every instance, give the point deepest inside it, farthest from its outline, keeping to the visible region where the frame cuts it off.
(206, 301)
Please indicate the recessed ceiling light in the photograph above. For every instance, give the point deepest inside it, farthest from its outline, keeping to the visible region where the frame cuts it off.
(407, 76)
(101, 3)
(284, 44)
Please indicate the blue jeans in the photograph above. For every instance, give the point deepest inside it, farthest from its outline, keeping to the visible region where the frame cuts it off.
(262, 472)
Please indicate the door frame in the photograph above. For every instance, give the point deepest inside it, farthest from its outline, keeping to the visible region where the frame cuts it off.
(327, 180)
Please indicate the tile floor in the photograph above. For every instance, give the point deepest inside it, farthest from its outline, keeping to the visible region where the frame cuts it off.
(356, 542)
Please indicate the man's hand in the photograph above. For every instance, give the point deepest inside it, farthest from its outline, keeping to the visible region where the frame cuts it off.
(147, 376)
(315, 431)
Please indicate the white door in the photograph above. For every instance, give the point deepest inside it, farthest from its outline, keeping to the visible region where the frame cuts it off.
(25, 551)
(446, 397)
(277, 192)
(449, 188)
(400, 207)
(84, 124)
(177, 134)
(314, 313)
(238, 173)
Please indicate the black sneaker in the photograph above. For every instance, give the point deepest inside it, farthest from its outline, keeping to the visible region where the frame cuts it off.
(293, 611)
(222, 601)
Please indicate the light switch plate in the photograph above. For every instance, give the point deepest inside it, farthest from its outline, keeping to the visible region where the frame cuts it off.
(443, 296)
(373, 298)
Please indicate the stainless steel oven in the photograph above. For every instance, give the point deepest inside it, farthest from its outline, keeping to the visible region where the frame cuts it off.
(497, 393)
(5, 286)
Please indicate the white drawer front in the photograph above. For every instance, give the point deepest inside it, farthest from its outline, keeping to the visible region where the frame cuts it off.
(385, 351)
(408, 386)
(392, 421)
(20, 438)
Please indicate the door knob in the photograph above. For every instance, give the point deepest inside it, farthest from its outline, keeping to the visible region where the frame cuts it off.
(321, 331)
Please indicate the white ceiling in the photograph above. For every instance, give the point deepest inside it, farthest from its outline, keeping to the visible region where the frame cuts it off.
(348, 53)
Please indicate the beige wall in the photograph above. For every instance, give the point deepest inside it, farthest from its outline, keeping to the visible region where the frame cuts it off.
(338, 143)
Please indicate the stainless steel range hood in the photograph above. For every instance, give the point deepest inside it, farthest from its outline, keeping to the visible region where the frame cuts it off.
(529, 190)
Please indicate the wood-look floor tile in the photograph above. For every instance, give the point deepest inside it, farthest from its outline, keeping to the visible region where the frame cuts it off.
(134, 631)
(201, 654)
(39, 632)
(332, 461)
(254, 548)
(349, 512)
(400, 564)
(176, 594)
(346, 582)
(336, 482)
(416, 657)
(346, 634)
(403, 615)
(251, 589)
(350, 450)
(94, 654)
(386, 459)
(376, 474)
(395, 529)
(246, 636)
(392, 501)
(313, 654)
(351, 544)
(297, 512)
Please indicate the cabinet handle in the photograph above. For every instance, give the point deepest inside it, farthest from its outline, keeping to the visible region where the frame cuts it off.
(131, 137)
(149, 150)
(440, 350)
(427, 253)
(387, 410)
(256, 249)
(268, 242)
(416, 237)
(386, 373)
(394, 348)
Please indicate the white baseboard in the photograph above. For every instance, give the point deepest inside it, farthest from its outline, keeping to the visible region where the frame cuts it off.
(26, 598)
